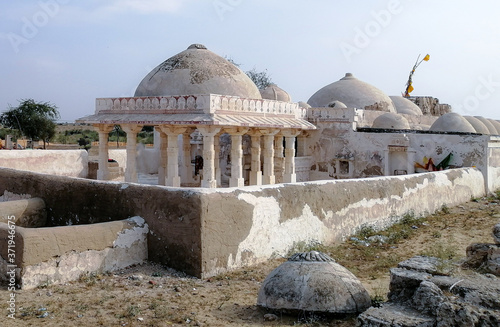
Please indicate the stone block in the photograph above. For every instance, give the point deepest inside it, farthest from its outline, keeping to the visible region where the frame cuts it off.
(393, 315)
(476, 254)
(404, 283)
(425, 264)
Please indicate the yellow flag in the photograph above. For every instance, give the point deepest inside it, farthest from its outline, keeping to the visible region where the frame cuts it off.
(410, 89)
(427, 57)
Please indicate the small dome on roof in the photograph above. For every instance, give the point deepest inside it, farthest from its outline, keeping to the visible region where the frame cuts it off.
(452, 122)
(273, 92)
(405, 106)
(302, 104)
(197, 71)
(496, 125)
(478, 125)
(354, 94)
(391, 120)
(337, 105)
(488, 124)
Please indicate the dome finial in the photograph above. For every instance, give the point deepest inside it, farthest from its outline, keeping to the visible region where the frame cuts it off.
(197, 46)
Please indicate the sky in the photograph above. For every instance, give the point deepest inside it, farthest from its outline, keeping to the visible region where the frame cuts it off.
(70, 52)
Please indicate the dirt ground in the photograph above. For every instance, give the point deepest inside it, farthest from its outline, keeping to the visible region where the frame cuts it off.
(152, 295)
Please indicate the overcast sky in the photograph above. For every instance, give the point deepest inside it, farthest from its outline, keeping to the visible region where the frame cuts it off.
(70, 52)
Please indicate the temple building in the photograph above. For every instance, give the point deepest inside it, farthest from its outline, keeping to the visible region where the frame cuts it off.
(215, 128)
(197, 91)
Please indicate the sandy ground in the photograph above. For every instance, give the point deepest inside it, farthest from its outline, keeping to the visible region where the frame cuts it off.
(152, 295)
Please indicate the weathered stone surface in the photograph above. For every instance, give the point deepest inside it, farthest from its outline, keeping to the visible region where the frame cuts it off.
(476, 254)
(484, 256)
(496, 233)
(404, 283)
(465, 315)
(427, 298)
(468, 299)
(431, 105)
(393, 315)
(313, 282)
(425, 264)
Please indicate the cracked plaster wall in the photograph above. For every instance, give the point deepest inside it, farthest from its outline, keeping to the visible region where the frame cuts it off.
(207, 231)
(246, 226)
(54, 255)
(368, 150)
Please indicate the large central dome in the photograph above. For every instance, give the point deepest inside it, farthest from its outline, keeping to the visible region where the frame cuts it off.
(197, 71)
(354, 93)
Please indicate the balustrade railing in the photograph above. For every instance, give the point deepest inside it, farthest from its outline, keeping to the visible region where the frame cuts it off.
(208, 104)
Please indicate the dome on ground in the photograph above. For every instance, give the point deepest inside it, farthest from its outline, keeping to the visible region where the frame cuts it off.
(452, 122)
(313, 282)
(496, 125)
(478, 125)
(489, 125)
(405, 106)
(391, 120)
(197, 71)
(354, 94)
(273, 92)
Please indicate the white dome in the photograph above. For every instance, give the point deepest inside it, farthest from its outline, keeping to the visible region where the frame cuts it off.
(354, 94)
(197, 71)
(405, 106)
(489, 125)
(273, 92)
(452, 122)
(391, 120)
(478, 125)
(496, 125)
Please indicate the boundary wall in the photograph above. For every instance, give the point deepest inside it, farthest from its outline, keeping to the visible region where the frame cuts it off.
(72, 163)
(204, 232)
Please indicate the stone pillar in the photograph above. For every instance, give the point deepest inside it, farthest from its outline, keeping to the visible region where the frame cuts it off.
(162, 148)
(302, 150)
(268, 154)
(290, 176)
(209, 132)
(237, 179)
(218, 172)
(187, 169)
(255, 170)
(103, 130)
(278, 158)
(131, 169)
(173, 178)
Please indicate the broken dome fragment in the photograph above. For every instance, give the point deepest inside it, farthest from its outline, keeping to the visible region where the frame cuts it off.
(313, 282)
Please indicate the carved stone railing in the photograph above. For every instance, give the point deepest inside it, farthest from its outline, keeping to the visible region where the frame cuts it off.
(207, 104)
(339, 114)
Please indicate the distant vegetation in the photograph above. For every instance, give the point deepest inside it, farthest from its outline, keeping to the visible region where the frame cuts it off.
(33, 120)
(84, 136)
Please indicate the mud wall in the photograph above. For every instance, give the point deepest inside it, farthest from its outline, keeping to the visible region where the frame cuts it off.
(246, 226)
(173, 215)
(60, 254)
(56, 162)
(207, 231)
